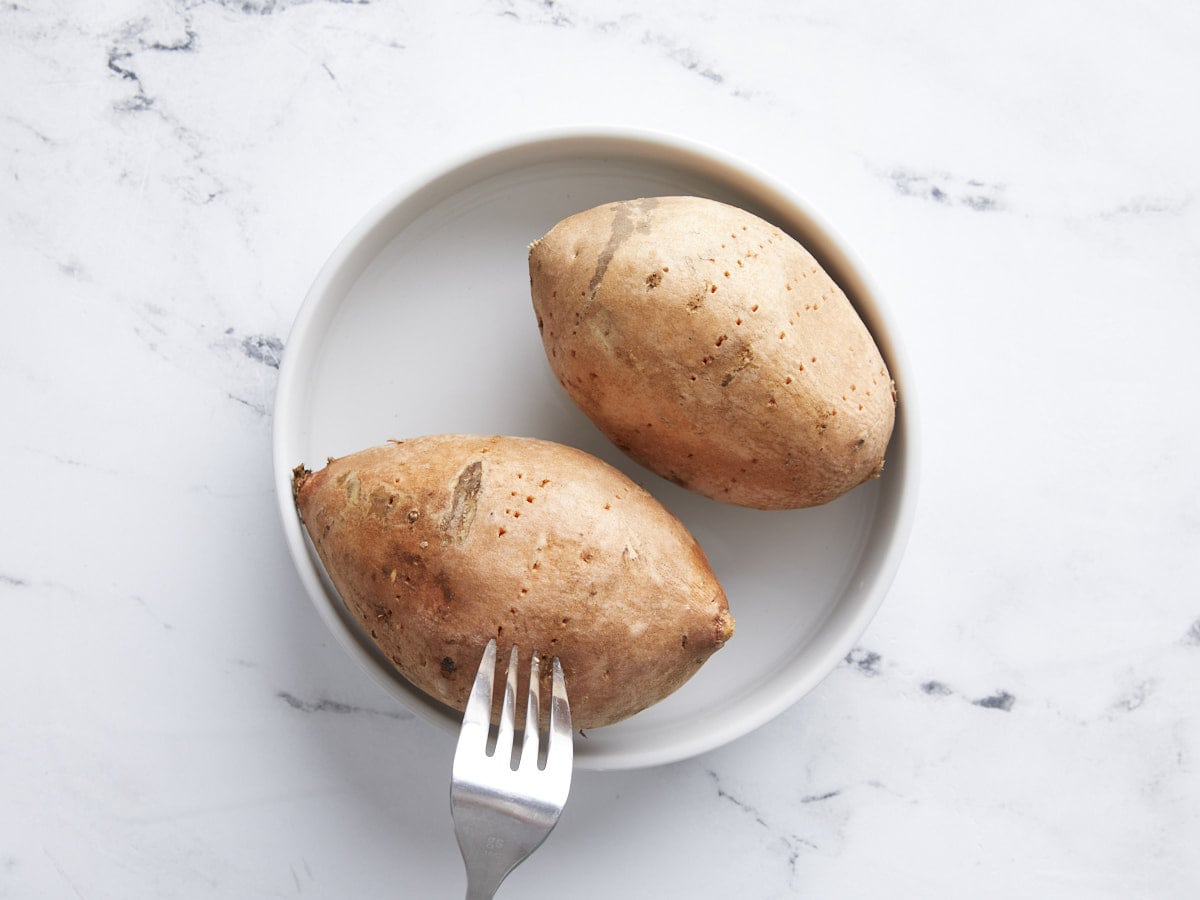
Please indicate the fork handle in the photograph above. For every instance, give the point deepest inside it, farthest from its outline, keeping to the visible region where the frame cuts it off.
(481, 892)
(484, 880)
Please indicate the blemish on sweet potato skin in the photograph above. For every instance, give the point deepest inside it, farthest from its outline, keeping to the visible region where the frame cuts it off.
(459, 517)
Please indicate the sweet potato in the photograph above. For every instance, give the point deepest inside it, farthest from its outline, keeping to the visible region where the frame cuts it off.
(713, 348)
(439, 543)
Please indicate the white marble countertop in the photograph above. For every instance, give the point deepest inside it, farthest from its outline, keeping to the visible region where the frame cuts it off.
(1022, 719)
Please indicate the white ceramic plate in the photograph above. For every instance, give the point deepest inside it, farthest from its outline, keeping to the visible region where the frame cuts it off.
(421, 323)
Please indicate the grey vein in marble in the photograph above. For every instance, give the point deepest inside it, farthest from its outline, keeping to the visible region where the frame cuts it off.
(555, 14)
(1136, 697)
(818, 798)
(684, 56)
(1149, 206)
(869, 663)
(149, 610)
(266, 352)
(936, 689)
(865, 661)
(1001, 700)
(123, 53)
(326, 705)
(544, 12)
(270, 7)
(1193, 634)
(264, 348)
(947, 189)
(792, 843)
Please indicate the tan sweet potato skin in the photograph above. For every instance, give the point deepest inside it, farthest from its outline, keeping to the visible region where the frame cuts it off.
(712, 348)
(439, 543)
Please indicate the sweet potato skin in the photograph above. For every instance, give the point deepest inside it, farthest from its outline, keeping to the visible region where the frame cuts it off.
(713, 349)
(439, 543)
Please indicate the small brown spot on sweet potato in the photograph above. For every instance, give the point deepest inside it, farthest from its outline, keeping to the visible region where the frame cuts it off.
(653, 280)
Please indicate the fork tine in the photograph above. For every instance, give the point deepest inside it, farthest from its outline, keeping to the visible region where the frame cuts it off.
(508, 712)
(500, 815)
(478, 716)
(559, 751)
(529, 747)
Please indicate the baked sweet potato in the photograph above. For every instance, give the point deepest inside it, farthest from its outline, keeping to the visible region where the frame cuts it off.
(439, 543)
(713, 348)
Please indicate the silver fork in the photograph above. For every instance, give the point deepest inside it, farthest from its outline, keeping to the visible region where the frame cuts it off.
(501, 814)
